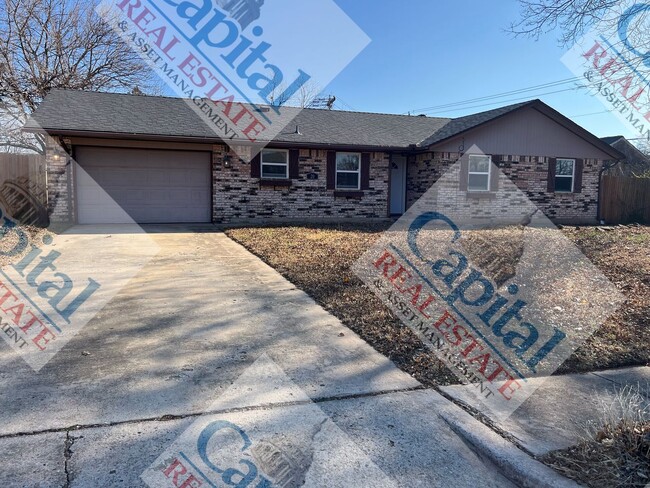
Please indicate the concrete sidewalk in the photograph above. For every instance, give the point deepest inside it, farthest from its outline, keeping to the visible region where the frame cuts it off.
(178, 337)
(555, 416)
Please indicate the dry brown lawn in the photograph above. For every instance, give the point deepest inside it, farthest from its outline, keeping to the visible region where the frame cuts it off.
(318, 260)
(615, 449)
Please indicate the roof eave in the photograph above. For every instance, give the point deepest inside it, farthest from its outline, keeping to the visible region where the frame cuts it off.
(214, 140)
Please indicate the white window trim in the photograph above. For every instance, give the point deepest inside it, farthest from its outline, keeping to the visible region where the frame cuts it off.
(489, 172)
(286, 165)
(347, 171)
(573, 175)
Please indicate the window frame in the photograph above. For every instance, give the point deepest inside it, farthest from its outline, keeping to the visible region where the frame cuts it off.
(337, 171)
(470, 172)
(573, 175)
(286, 164)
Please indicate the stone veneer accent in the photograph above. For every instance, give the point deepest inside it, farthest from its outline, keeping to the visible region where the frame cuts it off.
(528, 173)
(239, 198)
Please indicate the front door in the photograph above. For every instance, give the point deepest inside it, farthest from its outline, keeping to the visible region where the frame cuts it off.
(398, 185)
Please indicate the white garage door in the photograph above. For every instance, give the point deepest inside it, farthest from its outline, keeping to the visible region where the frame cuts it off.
(149, 186)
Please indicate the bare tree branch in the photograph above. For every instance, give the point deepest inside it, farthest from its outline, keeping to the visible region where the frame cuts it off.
(302, 98)
(573, 18)
(46, 44)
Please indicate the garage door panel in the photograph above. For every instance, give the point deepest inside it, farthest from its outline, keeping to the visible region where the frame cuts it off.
(158, 178)
(136, 177)
(150, 186)
(132, 198)
(161, 198)
(200, 197)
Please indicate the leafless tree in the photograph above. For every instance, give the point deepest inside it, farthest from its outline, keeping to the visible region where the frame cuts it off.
(573, 18)
(302, 98)
(644, 147)
(644, 172)
(46, 44)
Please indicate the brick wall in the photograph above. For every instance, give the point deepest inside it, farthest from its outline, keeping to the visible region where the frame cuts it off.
(528, 173)
(238, 198)
(60, 182)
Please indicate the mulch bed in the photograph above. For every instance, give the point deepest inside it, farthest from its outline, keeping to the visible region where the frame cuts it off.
(317, 259)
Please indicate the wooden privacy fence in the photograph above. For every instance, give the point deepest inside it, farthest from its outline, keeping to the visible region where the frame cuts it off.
(625, 200)
(23, 188)
(30, 167)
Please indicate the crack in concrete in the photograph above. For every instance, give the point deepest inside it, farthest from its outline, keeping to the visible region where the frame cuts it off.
(478, 415)
(170, 417)
(67, 455)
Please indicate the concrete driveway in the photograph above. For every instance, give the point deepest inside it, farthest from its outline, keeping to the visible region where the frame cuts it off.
(176, 339)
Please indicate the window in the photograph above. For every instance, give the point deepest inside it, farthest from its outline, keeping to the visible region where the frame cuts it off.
(275, 163)
(479, 173)
(348, 171)
(564, 175)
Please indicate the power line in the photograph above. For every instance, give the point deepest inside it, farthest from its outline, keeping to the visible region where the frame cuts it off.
(453, 105)
(498, 95)
(513, 100)
(593, 113)
(349, 107)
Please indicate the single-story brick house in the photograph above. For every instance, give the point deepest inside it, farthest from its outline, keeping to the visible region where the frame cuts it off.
(162, 163)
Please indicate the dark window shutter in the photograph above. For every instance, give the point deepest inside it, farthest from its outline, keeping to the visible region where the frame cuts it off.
(294, 164)
(365, 171)
(256, 169)
(331, 170)
(494, 172)
(552, 163)
(464, 173)
(577, 182)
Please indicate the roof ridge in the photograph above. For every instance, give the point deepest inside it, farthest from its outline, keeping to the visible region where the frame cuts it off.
(613, 137)
(94, 92)
(379, 113)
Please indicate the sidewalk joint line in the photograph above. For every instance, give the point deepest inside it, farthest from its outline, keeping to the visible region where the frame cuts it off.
(642, 391)
(171, 417)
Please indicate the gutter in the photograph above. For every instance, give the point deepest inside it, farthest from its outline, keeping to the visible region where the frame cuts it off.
(215, 140)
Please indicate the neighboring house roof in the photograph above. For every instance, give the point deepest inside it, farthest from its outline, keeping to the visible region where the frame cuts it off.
(71, 112)
(634, 162)
(611, 139)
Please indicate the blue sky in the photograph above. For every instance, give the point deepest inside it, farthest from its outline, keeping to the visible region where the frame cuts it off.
(427, 53)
